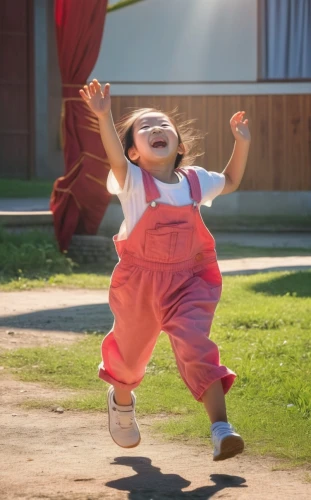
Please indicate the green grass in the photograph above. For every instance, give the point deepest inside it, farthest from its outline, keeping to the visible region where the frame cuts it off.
(32, 260)
(12, 188)
(30, 254)
(74, 280)
(262, 327)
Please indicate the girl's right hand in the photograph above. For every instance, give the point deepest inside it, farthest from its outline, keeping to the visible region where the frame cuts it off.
(98, 101)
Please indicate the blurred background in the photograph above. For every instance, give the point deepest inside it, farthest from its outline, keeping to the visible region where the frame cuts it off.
(209, 58)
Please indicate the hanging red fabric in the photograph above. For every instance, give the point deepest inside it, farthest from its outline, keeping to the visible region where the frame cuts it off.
(79, 198)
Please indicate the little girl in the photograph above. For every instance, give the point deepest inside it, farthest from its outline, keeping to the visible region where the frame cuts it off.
(167, 278)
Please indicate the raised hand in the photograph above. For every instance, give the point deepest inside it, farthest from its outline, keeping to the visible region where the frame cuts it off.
(98, 101)
(239, 127)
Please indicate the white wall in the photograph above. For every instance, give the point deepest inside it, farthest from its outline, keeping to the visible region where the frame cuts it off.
(183, 47)
(180, 41)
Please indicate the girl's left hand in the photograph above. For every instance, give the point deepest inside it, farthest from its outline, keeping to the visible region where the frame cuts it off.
(239, 127)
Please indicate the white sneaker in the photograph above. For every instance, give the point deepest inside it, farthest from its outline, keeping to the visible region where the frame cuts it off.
(123, 427)
(227, 443)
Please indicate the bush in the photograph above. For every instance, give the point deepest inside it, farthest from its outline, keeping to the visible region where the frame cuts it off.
(31, 254)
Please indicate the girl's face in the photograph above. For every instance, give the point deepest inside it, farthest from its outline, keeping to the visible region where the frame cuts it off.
(155, 140)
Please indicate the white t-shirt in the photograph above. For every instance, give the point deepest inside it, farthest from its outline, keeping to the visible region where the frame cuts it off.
(133, 198)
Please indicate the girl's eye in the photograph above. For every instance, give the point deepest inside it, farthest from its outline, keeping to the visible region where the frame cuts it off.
(144, 127)
(165, 125)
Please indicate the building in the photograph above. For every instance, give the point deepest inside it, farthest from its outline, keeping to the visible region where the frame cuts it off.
(209, 58)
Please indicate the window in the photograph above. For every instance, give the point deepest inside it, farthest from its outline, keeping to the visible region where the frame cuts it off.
(285, 28)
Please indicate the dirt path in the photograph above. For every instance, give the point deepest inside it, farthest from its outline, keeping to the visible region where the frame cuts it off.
(70, 455)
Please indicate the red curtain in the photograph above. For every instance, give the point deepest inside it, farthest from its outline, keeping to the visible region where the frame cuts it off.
(79, 198)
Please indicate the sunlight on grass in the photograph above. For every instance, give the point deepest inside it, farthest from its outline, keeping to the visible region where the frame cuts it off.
(74, 280)
(32, 260)
(262, 327)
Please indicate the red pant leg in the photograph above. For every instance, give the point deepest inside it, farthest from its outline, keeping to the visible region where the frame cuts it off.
(187, 320)
(127, 349)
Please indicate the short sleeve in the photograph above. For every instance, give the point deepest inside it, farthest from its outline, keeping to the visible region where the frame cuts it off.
(132, 176)
(212, 184)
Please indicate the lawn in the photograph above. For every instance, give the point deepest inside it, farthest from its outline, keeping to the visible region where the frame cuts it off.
(32, 260)
(12, 188)
(262, 327)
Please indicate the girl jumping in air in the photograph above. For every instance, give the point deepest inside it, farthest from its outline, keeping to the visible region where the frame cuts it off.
(167, 278)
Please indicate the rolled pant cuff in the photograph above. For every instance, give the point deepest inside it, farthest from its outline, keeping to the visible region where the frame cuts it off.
(227, 378)
(116, 383)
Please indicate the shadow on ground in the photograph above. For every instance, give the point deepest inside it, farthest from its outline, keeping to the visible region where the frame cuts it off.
(98, 317)
(150, 483)
(296, 284)
(82, 318)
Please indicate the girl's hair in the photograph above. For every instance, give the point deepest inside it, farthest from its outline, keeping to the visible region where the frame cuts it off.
(187, 136)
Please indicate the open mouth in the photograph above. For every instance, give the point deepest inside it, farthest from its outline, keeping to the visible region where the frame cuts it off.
(159, 144)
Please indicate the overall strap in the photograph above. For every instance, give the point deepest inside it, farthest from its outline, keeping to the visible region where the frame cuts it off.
(151, 190)
(194, 183)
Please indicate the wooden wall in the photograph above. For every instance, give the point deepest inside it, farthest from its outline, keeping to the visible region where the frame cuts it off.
(280, 155)
(16, 89)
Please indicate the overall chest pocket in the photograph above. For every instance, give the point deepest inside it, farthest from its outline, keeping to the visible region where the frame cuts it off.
(168, 243)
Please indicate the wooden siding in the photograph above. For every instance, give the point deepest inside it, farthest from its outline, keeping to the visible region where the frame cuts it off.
(16, 89)
(280, 154)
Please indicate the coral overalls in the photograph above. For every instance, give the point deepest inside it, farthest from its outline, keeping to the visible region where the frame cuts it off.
(167, 280)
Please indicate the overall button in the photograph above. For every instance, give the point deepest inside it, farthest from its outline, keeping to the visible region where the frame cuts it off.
(153, 204)
(198, 257)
